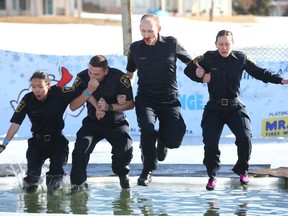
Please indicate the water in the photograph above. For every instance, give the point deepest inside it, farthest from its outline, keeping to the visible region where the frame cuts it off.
(165, 196)
(177, 189)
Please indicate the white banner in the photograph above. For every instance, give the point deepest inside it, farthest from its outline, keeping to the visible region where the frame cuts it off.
(264, 101)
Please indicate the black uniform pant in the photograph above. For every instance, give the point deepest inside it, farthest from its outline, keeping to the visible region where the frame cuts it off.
(212, 124)
(56, 149)
(171, 131)
(118, 135)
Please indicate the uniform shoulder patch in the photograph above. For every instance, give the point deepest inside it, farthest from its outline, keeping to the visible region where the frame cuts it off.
(180, 45)
(20, 106)
(66, 89)
(249, 58)
(77, 82)
(125, 81)
(198, 59)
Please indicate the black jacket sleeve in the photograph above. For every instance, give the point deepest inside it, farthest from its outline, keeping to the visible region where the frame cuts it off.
(190, 71)
(261, 73)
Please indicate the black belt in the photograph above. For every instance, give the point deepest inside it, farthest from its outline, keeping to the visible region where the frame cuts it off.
(46, 137)
(224, 101)
(169, 97)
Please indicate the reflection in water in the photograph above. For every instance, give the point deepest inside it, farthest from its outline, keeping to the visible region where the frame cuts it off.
(212, 210)
(242, 210)
(79, 203)
(57, 203)
(34, 202)
(41, 202)
(124, 204)
(145, 205)
(157, 199)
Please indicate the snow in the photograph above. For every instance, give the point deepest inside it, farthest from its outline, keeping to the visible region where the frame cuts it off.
(196, 36)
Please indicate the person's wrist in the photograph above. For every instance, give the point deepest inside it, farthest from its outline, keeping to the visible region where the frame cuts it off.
(6, 142)
(110, 107)
(87, 93)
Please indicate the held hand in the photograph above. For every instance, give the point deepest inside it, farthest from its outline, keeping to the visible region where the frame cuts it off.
(284, 81)
(102, 104)
(207, 78)
(121, 99)
(199, 70)
(99, 114)
(92, 85)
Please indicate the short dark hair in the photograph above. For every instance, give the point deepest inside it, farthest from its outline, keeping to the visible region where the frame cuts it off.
(40, 75)
(224, 33)
(99, 61)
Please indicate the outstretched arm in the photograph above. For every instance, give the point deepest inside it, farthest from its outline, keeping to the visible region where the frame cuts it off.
(10, 134)
(284, 81)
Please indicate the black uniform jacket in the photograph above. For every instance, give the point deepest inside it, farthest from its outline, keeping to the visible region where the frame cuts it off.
(47, 116)
(226, 73)
(116, 82)
(156, 65)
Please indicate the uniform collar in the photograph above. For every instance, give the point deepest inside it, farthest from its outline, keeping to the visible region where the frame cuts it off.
(232, 55)
(106, 76)
(51, 93)
(159, 39)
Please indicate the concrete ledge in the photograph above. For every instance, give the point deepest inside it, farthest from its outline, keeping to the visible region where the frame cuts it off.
(195, 182)
(175, 170)
(200, 182)
(193, 175)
